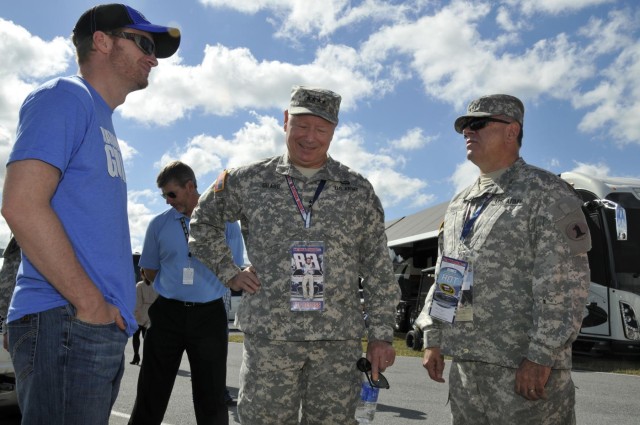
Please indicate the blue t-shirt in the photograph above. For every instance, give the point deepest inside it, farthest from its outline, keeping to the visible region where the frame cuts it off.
(68, 125)
(166, 250)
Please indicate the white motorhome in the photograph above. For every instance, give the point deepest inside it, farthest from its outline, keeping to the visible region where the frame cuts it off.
(612, 314)
(613, 309)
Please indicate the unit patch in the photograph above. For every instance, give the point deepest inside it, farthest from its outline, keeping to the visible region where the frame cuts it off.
(218, 185)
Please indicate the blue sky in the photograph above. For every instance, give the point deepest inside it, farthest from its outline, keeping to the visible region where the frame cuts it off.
(405, 69)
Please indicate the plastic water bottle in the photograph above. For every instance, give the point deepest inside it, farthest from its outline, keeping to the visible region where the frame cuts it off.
(366, 409)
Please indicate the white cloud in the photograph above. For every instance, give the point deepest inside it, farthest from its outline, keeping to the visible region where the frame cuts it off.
(28, 56)
(232, 79)
(464, 175)
(455, 62)
(140, 215)
(209, 155)
(127, 151)
(26, 59)
(614, 102)
(554, 7)
(413, 139)
(383, 169)
(600, 170)
(319, 18)
(447, 51)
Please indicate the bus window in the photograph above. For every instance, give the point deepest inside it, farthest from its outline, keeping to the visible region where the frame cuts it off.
(598, 254)
(626, 252)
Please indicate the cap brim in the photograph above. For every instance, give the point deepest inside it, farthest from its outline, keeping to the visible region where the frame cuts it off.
(462, 121)
(299, 110)
(167, 39)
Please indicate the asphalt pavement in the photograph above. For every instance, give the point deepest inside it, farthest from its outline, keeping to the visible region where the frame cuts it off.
(602, 398)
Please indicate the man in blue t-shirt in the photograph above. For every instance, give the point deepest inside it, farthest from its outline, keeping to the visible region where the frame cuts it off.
(65, 200)
(189, 313)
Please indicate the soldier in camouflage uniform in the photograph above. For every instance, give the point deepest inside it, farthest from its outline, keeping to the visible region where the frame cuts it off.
(300, 355)
(523, 234)
(8, 272)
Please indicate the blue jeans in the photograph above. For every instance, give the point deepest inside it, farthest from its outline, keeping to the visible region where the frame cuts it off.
(67, 372)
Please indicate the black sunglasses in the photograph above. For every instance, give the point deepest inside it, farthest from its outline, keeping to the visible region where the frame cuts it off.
(481, 123)
(143, 43)
(364, 365)
(171, 195)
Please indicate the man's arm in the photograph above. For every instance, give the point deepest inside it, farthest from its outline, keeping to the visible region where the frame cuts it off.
(560, 288)
(26, 206)
(235, 242)
(150, 274)
(207, 240)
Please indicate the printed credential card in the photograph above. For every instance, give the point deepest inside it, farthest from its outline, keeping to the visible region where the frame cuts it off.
(307, 276)
(448, 288)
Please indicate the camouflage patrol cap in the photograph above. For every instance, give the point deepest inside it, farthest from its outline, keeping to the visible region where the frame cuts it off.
(494, 104)
(315, 101)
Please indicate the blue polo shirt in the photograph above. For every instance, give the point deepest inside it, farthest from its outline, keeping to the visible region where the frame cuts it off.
(166, 250)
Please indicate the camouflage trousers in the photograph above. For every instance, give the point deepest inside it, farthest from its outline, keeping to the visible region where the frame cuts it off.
(298, 382)
(484, 394)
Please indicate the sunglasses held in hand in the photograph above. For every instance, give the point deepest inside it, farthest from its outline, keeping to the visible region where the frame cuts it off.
(364, 366)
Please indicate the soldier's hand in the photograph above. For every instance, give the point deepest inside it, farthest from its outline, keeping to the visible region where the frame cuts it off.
(381, 354)
(531, 379)
(246, 280)
(433, 361)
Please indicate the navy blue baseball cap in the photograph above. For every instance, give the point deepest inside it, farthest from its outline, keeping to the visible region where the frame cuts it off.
(108, 17)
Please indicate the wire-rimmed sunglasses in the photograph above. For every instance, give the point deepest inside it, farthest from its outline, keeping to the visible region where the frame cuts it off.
(364, 366)
(143, 43)
(171, 195)
(481, 123)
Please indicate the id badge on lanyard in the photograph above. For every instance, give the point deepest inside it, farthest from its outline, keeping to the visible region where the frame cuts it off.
(188, 273)
(460, 271)
(307, 276)
(453, 296)
(448, 289)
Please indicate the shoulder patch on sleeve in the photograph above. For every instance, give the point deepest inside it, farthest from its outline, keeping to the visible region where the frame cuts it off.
(218, 185)
(571, 223)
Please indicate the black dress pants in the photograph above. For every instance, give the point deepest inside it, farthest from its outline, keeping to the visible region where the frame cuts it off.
(201, 331)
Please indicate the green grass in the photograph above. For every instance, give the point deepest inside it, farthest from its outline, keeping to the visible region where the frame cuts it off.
(610, 364)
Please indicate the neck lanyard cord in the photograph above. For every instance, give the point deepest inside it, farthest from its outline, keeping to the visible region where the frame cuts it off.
(185, 229)
(304, 213)
(470, 221)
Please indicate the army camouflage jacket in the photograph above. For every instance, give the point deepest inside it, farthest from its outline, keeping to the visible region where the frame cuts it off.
(347, 217)
(8, 273)
(530, 272)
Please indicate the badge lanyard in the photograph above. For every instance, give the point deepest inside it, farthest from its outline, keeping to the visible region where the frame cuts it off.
(305, 213)
(185, 229)
(470, 221)
(187, 272)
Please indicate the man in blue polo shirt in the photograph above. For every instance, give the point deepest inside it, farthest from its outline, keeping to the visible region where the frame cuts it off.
(189, 313)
